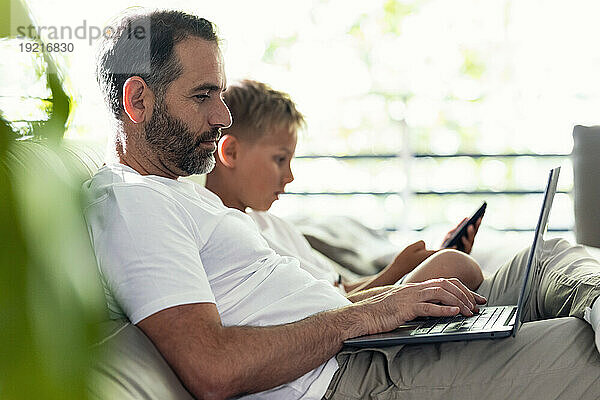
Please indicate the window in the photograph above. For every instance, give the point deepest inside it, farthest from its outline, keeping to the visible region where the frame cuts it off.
(414, 94)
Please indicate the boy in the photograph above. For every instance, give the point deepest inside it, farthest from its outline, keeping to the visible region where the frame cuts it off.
(253, 168)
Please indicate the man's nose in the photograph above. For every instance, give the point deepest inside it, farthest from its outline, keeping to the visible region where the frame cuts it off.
(220, 117)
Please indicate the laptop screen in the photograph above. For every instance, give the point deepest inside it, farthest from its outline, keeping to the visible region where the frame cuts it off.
(535, 253)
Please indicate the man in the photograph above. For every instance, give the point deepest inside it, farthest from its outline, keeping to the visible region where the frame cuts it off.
(234, 318)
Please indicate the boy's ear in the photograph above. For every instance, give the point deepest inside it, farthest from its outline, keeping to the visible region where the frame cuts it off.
(228, 150)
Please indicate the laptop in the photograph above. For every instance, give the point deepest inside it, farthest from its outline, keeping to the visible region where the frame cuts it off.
(489, 322)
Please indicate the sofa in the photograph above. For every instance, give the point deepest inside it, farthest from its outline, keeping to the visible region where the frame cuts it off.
(126, 364)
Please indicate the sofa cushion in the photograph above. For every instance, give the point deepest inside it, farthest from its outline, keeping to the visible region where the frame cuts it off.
(586, 184)
(47, 182)
(72, 161)
(349, 243)
(52, 295)
(132, 368)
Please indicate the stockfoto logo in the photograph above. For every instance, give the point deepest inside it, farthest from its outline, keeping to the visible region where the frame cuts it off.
(81, 32)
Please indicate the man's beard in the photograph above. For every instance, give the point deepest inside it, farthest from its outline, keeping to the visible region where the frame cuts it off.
(172, 140)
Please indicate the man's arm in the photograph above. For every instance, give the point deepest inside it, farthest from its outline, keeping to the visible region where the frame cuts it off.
(216, 362)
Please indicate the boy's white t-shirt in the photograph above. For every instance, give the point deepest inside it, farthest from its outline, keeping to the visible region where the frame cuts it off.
(286, 240)
(160, 243)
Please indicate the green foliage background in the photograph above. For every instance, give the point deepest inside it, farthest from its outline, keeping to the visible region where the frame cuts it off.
(49, 292)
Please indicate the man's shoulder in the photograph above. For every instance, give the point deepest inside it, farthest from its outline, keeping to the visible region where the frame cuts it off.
(120, 191)
(119, 186)
(114, 174)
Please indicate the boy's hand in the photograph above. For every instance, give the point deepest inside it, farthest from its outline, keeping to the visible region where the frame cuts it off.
(467, 240)
(413, 255)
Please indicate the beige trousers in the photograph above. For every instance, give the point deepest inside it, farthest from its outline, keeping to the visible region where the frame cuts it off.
(553, 355)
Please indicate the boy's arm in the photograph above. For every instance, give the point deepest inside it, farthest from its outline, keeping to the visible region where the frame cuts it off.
(217, 362)
(413, 255)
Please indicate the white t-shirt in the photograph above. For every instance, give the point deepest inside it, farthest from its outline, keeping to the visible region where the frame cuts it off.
(286, 240)
(160, 243)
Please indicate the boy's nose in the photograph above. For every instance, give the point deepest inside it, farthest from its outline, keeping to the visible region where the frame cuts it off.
(289, 177)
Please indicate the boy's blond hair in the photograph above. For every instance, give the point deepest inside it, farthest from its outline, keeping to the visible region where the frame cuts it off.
(257, 109)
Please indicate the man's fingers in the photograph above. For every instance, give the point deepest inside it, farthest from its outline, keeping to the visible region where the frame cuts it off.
(434, 310)
(456, 288)
(479, 298)
(438, 294)
(476, 297)
(463, 289)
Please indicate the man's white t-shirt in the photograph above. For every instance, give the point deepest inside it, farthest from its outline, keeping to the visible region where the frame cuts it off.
(286, 240)
(160, 243)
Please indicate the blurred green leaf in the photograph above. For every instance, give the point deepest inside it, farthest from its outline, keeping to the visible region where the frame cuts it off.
(5, 18)
(473, 65)
(49, 289)
(356, 28)
(276, 44)
(394, 12)
(53, 127)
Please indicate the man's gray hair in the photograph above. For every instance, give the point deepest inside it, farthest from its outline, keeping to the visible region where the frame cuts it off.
(143, 45)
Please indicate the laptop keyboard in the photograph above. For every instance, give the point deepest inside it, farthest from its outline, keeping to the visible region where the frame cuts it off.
(485, 319)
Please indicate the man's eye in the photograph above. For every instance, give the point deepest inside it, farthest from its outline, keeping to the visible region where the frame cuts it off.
(202, 97)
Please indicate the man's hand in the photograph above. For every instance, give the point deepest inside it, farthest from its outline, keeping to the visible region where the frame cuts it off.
(467, 240)
(390, 308)
(360, 295)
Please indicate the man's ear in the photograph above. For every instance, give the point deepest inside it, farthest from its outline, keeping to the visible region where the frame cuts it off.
(228, 150)
(137, 99)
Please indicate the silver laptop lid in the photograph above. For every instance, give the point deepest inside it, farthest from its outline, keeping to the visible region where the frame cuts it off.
(533, 261)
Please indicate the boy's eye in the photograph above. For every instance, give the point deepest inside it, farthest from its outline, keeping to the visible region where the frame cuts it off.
(279, 159)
